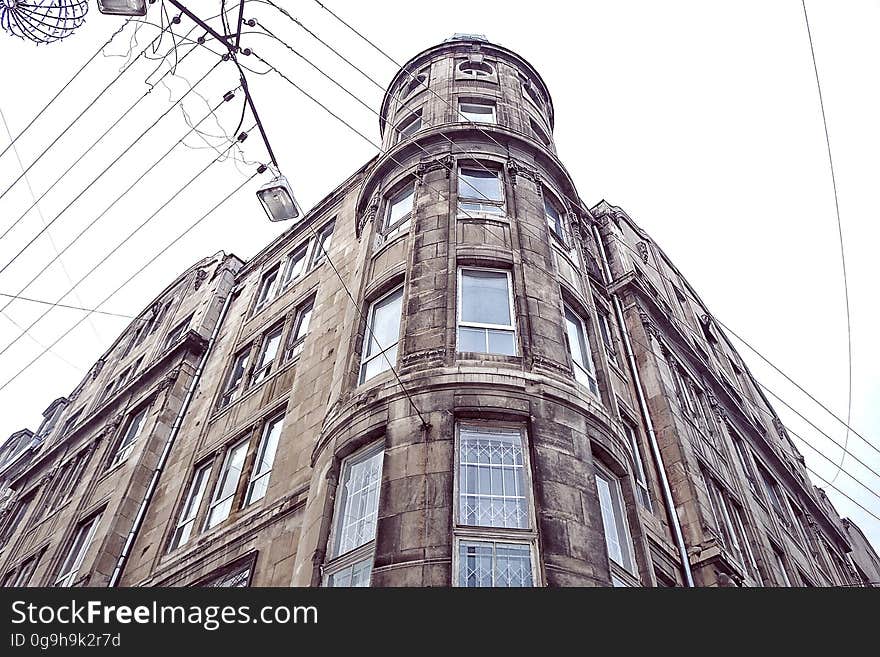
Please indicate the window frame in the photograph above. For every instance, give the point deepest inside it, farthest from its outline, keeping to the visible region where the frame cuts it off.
(293, 345)
(263, 370)
(125, 443)
(366, 357)
(592, 376)
(270, 283)
(398, 193)
(488, 208)
(470, 69)
(402, 130)
(176, 334)
(287, 275)
(229, 393)
(640, 472)
(188, 514)
(71, 564)
(335, 560)
(321, 247)
(219, 483)
(486, 533)
(254, 476)
(512, 328)
(626, 541)
(478, 102)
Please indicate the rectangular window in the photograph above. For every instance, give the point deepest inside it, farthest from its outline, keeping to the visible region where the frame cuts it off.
(747, 547)
(176, 334)
(554, 218)
(322, 244)
(642, 490)
(132, 431)
(745, 462)
(614, 523)
(358, 500)
(82, 539)
(259, 481)
(355, 575)
(268, 288)
(480, 193)
(227, 484)
(774, 495)
(477, 111)
(382, 335)
(297, 337)
(398, 212)
(579, 349)
(70, 424)
(14, 521)
(231, 578)
(723, 521)
(266, 357)
(409, 126)
(485, 312)
(295, 266)
(494, 564)
(234, 379)
(191, 503)
(66, 483)
(355, 516)
(26, 571)
(607, 340)
(780, 567)
(492, 483)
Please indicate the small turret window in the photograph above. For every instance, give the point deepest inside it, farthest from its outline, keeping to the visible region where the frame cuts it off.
(476, 69)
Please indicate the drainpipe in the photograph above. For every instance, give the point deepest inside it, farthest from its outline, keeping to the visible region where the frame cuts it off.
(668, 502)
(166, 450)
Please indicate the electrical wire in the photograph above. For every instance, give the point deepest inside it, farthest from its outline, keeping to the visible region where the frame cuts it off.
(118, 246)
(130, 278)
(77, 118)
(840, 238)
(104, 171)
(69, 307)
(42, 219)
(82, 155)
(138, 179)
(66, 84)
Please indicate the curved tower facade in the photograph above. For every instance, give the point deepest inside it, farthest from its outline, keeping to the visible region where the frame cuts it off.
(450, 372)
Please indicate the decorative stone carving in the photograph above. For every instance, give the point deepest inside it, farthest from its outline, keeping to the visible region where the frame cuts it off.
(368, 214)
(96, 368)
(643, 251)
(427, 354)
(168, 380)
(516, 169)
(540, 361)
(201, 275)
(426, 166)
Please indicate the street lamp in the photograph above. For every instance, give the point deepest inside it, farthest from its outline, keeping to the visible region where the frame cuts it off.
(123, 7)
(278, 201)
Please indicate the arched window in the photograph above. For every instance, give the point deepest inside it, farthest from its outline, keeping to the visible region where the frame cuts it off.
(416, 83)
(476, 69)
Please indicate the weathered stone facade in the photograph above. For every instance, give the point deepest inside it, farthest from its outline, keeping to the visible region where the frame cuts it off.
(293, 435)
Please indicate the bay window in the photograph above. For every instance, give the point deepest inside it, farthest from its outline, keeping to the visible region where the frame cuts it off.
(353, 535)
(485, 312)
(382, 335)
(480, 193)
(579, 350)
(614, 524)
(493, 522)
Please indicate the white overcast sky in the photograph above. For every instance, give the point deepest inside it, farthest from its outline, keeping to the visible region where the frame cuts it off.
(700, 119)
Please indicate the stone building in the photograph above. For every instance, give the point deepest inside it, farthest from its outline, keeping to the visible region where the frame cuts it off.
(451, 371)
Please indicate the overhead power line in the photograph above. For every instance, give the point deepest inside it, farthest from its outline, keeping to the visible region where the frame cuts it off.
(77, 118)
(128, 280)
(63, 305)
(119, 245)
(140, 178)
(66, 84)
(106, 169)
(840, 238)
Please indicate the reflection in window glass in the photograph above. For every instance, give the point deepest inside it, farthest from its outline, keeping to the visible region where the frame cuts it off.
(485, 317)
(382, 335)
(494, 564)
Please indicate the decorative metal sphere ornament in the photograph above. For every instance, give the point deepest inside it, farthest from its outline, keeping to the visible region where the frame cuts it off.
(42, 21)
